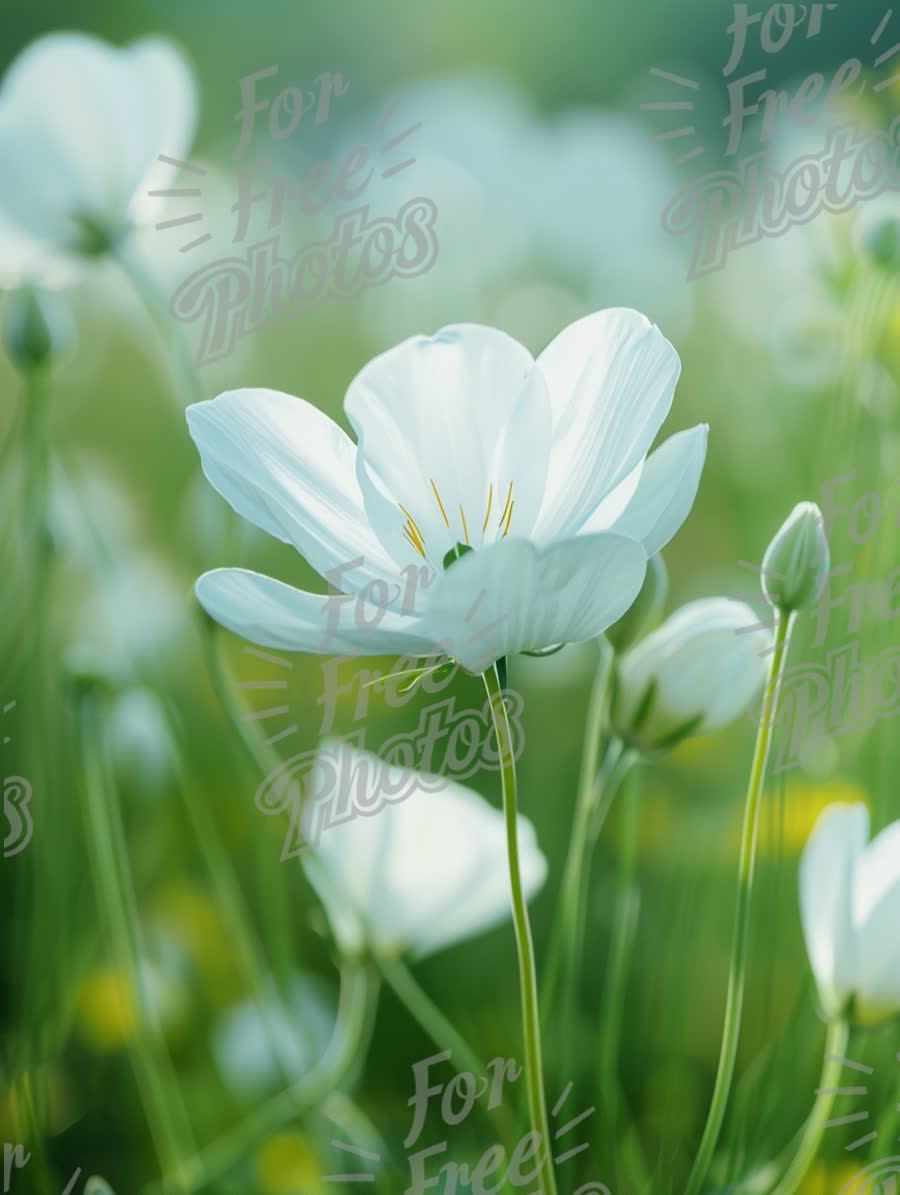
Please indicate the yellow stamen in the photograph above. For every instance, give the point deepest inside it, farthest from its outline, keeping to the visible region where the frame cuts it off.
(509, 518)
(462, 515)
(419, 547)
(417, 538)
(441, 505)
(412, 523)
(506, 507)
(488, 515)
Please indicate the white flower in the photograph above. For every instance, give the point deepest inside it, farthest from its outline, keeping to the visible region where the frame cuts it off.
(81, 126)
(597, 200)
(257, 1046)
(694, 674)
(850, 906)
(538, 466)
(418, 875)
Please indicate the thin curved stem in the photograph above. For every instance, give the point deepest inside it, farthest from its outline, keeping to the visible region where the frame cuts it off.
(624, 927)
(835, 1051)
(349, 1044)
(442, 1032)
(537, 1104)
(260, 754)
(230, 899)
(563, 935)
(738, 968)
(165, 1110)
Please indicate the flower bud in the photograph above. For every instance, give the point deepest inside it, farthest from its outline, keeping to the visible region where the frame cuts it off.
(797, 561)
(96, 1185)
(697, 672)
(645, 609)
(35, 328)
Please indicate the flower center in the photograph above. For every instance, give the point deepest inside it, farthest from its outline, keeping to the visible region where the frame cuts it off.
(415, 537)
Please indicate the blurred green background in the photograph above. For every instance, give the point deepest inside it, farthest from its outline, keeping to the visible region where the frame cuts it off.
(549, 188)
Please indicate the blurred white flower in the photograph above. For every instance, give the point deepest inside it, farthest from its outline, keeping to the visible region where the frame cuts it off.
(422, 874)
(597, 202)
(140, 743)
(850, 906)
(256, 1047)
(697, 672)
(477, 156)
(81, 126)
(127, 619)
(534, 473)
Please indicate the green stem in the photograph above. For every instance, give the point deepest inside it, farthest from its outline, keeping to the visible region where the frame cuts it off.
(151, 1063)
(260, 754)
(624, 927)
(562, 939)
(835, 1051)
(230, 899)
(436, 1025)
(537, 1104)
(349, 1044)
(738, 968)
(264, 759)
(424, 1011)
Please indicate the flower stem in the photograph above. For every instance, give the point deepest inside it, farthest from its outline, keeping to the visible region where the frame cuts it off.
(537, 1104)
(738, 968)
(436, 1025)
(165, 1111)
(562, 940)
(349, 1044)
(624, 926)
(835, 1050)
(259, 753)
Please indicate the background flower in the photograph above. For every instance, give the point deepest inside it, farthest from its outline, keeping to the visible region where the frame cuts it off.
(849, 902)
(423, 873)
(82, 124)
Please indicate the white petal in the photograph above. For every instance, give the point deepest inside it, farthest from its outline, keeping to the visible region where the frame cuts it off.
(273, 614)
(666, 492)
(164, 86)
(515, 596)
(876, 917)
(288, 468)
(611, 378)
(827, 878)
(445, 424)
(417, 874)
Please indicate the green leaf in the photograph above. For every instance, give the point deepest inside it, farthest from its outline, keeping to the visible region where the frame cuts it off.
(455, 554)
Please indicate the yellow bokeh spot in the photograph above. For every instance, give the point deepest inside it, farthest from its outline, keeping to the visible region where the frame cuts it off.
(287, 1165)
(826, 1178)
(106, 1010)
(188, 915)
(787, 827)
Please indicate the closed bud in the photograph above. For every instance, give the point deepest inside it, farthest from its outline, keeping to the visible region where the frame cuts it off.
(797, 561)
(645, 609)
(35, 328)
(697, 672)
